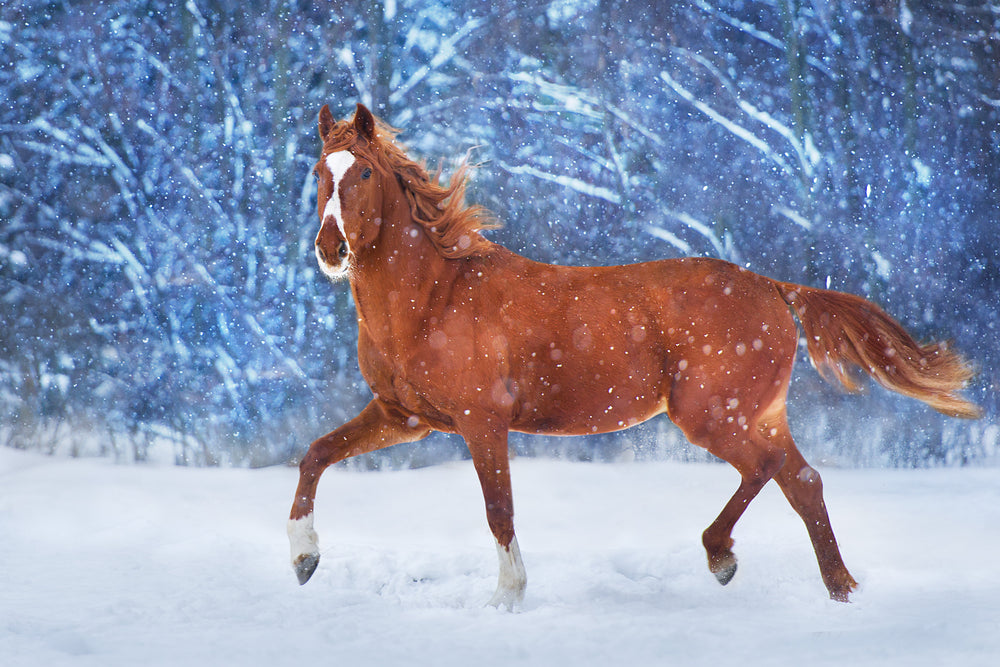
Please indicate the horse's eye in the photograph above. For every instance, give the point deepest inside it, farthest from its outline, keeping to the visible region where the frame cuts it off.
(366, 174)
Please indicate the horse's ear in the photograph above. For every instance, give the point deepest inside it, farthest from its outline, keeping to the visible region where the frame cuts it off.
(326, 122)
(364, 122)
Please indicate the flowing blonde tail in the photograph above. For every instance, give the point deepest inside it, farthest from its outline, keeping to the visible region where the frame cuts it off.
(845, 333)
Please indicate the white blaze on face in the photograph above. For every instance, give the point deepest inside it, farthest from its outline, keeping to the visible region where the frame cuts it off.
(338, 163)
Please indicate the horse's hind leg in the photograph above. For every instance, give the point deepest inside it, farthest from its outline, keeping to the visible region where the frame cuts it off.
(728, 434)
(757, 463)
(803, 488)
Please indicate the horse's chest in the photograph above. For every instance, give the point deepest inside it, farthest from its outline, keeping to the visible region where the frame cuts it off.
(376, 366)
(401, 377)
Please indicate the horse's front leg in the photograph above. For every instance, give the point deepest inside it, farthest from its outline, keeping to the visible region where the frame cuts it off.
(487, 441)
(376, 427)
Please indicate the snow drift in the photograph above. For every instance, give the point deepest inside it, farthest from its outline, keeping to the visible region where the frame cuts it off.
(103, 564)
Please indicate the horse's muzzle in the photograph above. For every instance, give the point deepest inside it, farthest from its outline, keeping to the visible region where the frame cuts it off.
(334, 266)
(342, 251)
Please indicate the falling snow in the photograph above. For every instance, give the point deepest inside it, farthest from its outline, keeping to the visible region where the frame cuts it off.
(157, 207)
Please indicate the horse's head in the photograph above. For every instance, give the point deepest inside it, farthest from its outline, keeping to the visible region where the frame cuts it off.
(350, 190)
(368, 184)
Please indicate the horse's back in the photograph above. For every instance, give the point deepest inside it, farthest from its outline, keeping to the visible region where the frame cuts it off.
(715, 302)
(594, 349)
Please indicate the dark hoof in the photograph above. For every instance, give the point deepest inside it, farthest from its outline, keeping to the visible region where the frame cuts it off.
(726, 574)
(840, 596)
(304, 566)
(843, 593)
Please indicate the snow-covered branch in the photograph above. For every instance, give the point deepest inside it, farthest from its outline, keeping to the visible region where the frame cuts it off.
(445, 52)
(203, 191)
(794, 216)
(570, 98)
(731, 126)
(570, 182)
(762, 35)
(805, 150)
(669, 237)
(701, 228)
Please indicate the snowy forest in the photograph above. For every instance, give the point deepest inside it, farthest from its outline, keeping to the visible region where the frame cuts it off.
(158, 287)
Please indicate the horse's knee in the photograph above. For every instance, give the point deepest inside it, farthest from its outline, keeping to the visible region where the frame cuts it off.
(322, 453)
(311, 467)
(308, 466)
(314, 457)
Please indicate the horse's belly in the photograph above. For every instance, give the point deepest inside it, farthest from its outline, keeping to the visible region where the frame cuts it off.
(576, 410)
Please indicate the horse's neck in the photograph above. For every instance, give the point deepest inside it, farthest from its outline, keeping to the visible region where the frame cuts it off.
(396, 282)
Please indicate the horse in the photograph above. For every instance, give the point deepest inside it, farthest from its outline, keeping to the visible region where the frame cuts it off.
(460, 335)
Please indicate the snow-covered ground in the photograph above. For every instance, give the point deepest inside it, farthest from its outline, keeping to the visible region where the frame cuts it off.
(147, 565)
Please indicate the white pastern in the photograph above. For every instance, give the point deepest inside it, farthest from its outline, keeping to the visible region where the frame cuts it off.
(302, 538)
(512, 580)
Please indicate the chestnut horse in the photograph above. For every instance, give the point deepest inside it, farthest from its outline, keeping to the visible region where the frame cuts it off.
(458, 334)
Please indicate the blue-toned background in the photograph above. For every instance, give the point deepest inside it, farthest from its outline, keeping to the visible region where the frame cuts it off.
(157, 283)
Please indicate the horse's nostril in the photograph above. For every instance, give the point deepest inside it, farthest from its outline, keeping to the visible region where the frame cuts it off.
(342, 250)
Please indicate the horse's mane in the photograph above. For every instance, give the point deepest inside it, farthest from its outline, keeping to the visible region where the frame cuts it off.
(452, 226)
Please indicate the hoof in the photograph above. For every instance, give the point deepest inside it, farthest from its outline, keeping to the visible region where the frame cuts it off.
(726, 574)
(506, 598)
(840, 596)
(842, 589)
(723, 565)
(304, 566)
